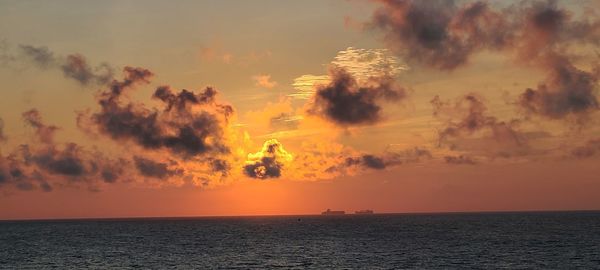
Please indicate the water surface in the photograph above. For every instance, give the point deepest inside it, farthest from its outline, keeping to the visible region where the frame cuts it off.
(432, 241)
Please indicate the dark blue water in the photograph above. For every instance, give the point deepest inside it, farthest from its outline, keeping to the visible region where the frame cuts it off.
(436, 241)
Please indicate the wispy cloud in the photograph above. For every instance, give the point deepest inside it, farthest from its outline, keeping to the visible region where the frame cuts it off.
(362, 64)
(305, 85)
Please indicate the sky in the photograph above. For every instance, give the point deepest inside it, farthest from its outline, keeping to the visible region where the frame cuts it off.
(201, 108)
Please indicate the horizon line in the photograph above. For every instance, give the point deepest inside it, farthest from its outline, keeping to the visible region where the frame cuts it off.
(125, 218)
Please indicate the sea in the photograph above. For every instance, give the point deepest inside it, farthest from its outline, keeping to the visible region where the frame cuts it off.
(525, 240)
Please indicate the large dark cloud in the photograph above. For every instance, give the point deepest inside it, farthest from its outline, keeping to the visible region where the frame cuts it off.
(189, 124)
(439, 33)
(444, 34)
(345, 102)
(73, 66)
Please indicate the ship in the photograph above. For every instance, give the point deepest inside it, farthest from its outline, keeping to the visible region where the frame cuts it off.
(364, 212)
(333, 212)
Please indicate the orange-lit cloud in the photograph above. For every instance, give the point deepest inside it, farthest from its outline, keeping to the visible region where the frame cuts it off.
(268, 162)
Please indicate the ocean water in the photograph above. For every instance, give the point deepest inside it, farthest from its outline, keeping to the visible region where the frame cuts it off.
(547, 240)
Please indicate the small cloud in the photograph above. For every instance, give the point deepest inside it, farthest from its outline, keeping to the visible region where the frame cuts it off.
(264, 81)
(459, 160)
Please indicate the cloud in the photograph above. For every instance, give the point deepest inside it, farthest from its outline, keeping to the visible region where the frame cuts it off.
(269, 162)
(566, 91)
(439, 33)
(154, 169)
(362, 64)
(459, 160)
(46, 164)
(444, 35)
(379, 162)
(264, 81)
(44, 133)
(41, 56)
(345, 102)
(188, 125)
(468, 116)
(305, 85)
(590, 149)
(76, 67)
(544, 29)
(73, 66)
(285, 121)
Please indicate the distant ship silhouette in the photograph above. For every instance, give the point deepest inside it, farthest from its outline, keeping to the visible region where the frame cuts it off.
(330, 212)
(364, 212)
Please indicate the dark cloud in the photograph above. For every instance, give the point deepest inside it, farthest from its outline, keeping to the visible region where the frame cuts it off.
(459, 160)
(46, 164)
(269, 162)
(379, 162)
(189, 124)
(73, 66)
(545, 28)
(266, 167)
(445, 34)
(345, 102)
(151, 168)
(76, 67)
(468, 116)
(439, 33)
(367, 161)
(373, 162)
(566, 91)
(220, 165)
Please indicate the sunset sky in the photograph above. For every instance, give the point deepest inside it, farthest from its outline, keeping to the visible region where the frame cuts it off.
(192, 108)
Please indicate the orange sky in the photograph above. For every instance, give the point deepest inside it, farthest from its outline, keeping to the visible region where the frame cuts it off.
(273, 107)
